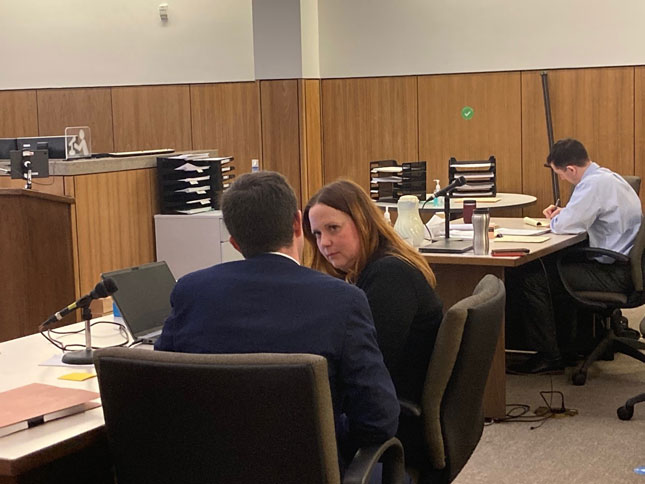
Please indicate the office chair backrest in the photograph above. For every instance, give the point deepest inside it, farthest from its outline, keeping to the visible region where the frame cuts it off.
(634, 181)
(188, 418)
(457, 374)
(636, 258)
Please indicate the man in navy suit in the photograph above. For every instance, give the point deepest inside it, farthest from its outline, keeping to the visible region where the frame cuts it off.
(270, 303)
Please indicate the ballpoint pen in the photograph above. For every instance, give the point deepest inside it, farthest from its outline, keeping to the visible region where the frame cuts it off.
(557, 202)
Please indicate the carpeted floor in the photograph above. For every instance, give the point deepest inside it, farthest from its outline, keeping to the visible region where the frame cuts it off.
(592, 447)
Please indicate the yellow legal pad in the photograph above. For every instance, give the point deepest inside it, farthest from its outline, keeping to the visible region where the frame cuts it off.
(528, 239)
(79, 376)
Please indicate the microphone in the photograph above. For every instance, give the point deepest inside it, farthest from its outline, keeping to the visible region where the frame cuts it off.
(457, 182)
(102, 289)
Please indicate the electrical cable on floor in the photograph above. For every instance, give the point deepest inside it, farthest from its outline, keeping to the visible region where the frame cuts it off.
(520, 412)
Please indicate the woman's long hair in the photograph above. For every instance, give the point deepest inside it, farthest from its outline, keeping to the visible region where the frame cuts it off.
(376, 236)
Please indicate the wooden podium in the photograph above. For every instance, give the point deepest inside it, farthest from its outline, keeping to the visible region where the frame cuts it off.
(36, 259)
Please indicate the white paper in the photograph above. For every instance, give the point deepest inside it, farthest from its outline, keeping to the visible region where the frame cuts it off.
(435, 226)
(462, 166)
(387, 169)
(57, 360)
(191, 167)
(466, 227)
(523, 231)
(195, 180)
(223, 160)
(195, 210)
(201, 189)
(479, 176)
(189, 156)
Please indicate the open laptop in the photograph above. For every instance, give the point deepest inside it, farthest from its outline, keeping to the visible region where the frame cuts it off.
(143, 298)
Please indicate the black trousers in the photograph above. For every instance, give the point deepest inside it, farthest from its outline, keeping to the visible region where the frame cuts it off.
(539, 307)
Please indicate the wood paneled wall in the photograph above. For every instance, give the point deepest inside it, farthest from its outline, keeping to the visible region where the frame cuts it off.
(595, 106)
(60, 108)
(281, 129)
(315, 131)
(148, 117)
(493, 129)
(226, 116)
(311, 167)
(18, 114)
(639, 124)
(365, 120)
(122, 236)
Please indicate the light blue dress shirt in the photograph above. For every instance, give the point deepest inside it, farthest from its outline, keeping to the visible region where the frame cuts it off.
(605, 206)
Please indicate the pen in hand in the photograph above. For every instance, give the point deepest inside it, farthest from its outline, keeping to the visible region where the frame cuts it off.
(552, 210)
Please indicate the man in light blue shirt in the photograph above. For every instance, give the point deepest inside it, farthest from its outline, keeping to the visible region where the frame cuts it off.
(605, 206)
(602, 204)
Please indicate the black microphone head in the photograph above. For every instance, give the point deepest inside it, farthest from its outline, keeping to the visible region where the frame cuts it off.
(104, 288)
(461, 180)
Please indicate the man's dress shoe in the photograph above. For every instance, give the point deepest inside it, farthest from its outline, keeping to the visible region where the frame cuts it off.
(539, 364)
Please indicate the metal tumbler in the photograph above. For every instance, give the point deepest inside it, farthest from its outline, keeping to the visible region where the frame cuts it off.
(481, 221)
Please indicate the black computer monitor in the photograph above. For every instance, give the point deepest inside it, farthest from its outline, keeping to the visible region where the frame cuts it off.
(39, 164)
(6, 146)
(55, 145)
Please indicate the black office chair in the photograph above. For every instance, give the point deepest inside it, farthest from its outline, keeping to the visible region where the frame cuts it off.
(440, 435)
(626, 412)
(261, 418)
(608, 304)
(634, 181)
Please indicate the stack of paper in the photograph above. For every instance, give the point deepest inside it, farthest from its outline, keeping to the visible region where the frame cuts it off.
(525, 232)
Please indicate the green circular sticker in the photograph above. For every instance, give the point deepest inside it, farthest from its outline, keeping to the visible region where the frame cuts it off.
(467, 112)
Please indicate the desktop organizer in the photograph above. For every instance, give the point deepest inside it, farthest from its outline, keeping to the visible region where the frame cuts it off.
(192, 184)
(481, 178)
(389, 180)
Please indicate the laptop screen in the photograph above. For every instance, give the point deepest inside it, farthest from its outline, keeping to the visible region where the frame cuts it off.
(143, 296)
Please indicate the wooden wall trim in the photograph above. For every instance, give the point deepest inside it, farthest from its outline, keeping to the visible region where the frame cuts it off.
(281, 130)
(310, 137)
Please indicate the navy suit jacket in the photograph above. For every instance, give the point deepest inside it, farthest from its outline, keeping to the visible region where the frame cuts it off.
(268, 303)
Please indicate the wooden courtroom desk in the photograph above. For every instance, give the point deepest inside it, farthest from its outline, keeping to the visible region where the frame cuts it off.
(72, 449)
(112, 219)
(458, 274)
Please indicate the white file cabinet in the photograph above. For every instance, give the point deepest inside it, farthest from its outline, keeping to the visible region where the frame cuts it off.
(191, 242)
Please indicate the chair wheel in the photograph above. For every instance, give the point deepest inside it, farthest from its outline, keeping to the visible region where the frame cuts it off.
(625, 412)
(579, 378)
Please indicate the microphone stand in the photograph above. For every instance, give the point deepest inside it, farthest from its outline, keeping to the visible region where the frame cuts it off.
(448, 245)
(446, 215)
(83, 357)
(26, 167)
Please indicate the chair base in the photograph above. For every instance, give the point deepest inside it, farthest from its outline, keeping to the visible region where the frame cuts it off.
(612, 343)
(626, 412)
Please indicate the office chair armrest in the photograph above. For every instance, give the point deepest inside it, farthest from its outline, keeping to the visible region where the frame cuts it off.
(409, 409)
(362, 465)
(584, 253)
